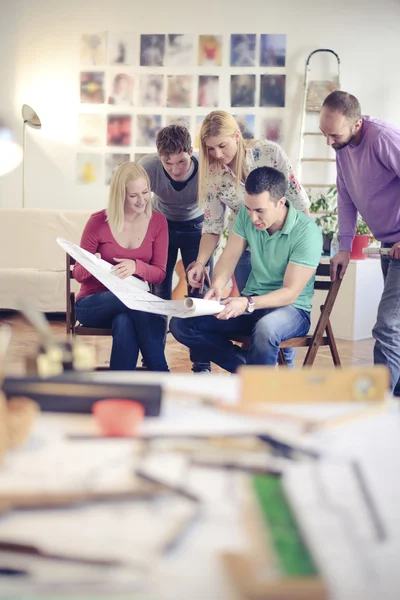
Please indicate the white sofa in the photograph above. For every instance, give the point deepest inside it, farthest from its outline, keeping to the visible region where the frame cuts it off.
(32, 265)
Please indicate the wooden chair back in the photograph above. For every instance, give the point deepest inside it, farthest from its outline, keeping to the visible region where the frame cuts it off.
(73, 327)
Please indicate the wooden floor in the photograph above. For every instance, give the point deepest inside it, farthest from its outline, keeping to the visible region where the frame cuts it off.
(24, 343)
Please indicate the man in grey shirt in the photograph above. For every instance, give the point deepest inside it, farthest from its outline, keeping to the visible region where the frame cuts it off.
(173, 174)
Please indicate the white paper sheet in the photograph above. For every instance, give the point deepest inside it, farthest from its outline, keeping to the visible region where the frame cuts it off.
(134, 293)
(353, 530)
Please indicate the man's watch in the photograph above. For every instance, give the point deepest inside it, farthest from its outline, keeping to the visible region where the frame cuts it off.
(250, 305)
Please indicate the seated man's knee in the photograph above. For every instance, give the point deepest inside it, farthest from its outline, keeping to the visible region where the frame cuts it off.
(264, 332)
(175, 327)
(181, 329)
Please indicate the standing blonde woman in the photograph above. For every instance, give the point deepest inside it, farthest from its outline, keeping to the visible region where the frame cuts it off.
(134, 239)
(225, 161)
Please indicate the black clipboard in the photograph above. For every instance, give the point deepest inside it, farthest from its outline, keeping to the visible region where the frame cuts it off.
(76, 393)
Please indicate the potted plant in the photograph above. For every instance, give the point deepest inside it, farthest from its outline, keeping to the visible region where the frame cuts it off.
(324, 206)
(362, 239)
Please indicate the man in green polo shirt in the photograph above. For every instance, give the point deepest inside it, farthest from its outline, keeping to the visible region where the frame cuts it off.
(275, 304)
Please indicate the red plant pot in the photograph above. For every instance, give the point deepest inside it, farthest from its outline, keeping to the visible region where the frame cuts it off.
(359, 242)
(118, 417)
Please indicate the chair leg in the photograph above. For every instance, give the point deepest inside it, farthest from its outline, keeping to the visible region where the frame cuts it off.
(281, 358)
(311, 355)
(72, 317)
(245, 345)
(318, 333)
(332, 345)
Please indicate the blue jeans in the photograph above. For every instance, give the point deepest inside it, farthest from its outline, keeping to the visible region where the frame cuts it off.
(387, 328)
(242, 272)
(267, 328)
(184, 236)
(132, 330)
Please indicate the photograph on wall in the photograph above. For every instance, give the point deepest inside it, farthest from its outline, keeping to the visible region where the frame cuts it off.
(199, 122)
(93, 49)
(152, 49)
(317, 92)
(243, 50)
(272, 90)
(151, 90)
(273, 50)
(147, 128)
(91, 130)
(243, 89)
(208, 91)
(119, 130)
(179, 51)
(247, 125)
(92, 87)
(179, 91)
(210, 50)
(112, 162)
(121, 92)
(272, 129)
(88, 167)
(121, 49)
(183, 120)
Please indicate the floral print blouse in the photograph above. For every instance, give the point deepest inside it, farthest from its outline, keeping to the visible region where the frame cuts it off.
(222, 190)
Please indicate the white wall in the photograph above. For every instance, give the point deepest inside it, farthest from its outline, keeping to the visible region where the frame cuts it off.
(39, 46)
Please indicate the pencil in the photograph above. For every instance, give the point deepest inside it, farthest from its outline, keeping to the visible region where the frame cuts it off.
(251, 411)
(180, 491)
(368, 411)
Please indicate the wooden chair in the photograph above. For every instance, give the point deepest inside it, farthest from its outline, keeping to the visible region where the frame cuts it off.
(73, 327)
(317, 339)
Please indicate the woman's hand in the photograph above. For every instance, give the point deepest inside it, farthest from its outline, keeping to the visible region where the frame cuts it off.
(195, 275)
(125, 268)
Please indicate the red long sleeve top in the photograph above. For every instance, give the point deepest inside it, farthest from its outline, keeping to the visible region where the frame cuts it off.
(150, 257)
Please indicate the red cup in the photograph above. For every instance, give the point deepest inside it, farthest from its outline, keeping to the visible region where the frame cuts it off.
(117, 417)
(359, 242)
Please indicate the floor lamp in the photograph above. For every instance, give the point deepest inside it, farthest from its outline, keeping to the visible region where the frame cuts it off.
(30, 118)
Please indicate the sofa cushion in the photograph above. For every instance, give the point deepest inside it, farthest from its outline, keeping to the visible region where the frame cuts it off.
(30, 236)
(46, 289)
(32, 264)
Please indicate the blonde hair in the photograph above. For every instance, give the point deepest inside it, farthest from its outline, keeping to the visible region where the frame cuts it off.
(220, 123)
(126, 172)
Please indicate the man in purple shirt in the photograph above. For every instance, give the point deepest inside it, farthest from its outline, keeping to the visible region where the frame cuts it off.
(368, 182)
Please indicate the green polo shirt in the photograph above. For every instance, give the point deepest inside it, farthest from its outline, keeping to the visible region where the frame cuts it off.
(298, 242)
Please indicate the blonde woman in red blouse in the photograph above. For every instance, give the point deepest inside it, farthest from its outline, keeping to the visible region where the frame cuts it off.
(133, 238)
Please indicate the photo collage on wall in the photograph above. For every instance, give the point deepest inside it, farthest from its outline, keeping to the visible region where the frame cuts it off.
(131, 85)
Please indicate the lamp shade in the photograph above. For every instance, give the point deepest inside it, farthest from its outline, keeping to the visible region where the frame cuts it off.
(30, 117)
(10, 151)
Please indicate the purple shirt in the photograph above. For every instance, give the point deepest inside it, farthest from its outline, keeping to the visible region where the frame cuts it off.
(368, 181)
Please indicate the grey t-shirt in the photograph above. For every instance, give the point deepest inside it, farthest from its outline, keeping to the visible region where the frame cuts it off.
(179, 204)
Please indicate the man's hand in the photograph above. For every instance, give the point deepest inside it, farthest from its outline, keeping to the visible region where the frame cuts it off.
(125, 268)
(234, 307)
(341, 259)
(98, 255)
(195, 275)
(214, 293)
(395, 251)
